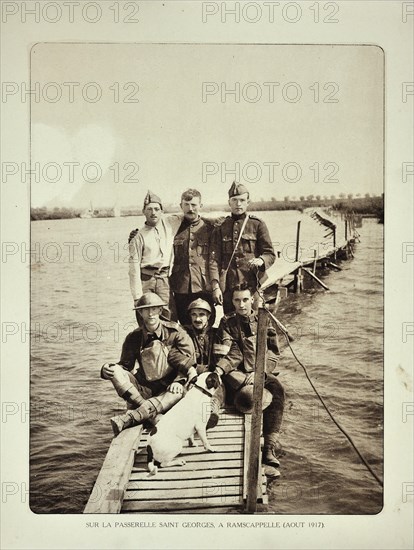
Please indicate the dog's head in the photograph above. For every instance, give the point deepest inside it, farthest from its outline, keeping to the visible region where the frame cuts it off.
(213, 381)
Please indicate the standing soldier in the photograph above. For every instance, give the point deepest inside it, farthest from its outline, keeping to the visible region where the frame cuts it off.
(189, 279)
(150, 254)
(241, 249)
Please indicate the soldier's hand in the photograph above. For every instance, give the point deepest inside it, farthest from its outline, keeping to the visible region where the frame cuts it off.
(191, 376)
(249, 379)
(256, 262)
(176, 388)
(132, 234)
(218, 296)
(108, 371)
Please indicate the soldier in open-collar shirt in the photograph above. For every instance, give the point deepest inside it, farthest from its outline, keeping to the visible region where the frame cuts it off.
(164, 354)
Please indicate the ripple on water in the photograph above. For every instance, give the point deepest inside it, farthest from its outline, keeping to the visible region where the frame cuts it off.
(338, 336)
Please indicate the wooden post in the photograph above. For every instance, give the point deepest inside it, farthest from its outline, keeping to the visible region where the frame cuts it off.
(297, 274)
(299, 281)
(316, 278)
(315, 256)
(346, 229)
(256, 424)
(334, 240)
(297, 242)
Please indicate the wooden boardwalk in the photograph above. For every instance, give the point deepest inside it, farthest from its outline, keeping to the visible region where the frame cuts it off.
(212, 482)
(208, 483)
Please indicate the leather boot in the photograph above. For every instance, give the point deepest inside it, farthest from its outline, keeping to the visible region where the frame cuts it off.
(133, 397)
(269, 456)
(124, 387)
(122, 422)
(147, 411)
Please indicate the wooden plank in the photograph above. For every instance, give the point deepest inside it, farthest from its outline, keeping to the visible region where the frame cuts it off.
(211, 510)
(280, 269)
(199, 457)
(194, 466)
(247, 436)
(168, 475)
(172, 506)
(256, 419)
(218, 489)
(152, 483)
(316, 278)
(198, 450)
(227, 428)
(218, 441)
(109, 488)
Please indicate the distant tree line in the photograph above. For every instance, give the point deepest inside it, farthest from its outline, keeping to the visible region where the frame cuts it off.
(367, 205)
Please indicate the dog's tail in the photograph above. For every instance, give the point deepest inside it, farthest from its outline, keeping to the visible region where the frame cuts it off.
(151, 463)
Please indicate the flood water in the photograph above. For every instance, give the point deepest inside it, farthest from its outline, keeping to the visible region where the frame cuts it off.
(81, 311)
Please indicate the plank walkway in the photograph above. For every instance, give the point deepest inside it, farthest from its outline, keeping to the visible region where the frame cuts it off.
(207, 483)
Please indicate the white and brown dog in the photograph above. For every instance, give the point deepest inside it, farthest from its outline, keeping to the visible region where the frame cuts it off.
(188, 416)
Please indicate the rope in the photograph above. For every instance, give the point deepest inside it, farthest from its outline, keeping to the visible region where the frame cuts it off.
(286, 335)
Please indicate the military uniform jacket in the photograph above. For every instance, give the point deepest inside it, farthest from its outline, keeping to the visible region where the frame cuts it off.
(204, 346)
(181, 354)
(254, 243)
(239, 335)
(190, 272)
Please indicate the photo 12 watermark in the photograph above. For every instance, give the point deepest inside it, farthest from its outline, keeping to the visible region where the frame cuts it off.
(271, 171)
(69, 172)
(70, 92)
(92, 13)
(269, 12)
(269, 92)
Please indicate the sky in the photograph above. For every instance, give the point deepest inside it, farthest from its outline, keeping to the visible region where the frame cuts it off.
(110, 121)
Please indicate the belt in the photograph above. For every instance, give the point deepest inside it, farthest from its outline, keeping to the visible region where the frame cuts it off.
(155, 271)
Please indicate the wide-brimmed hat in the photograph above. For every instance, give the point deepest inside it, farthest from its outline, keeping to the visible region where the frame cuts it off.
(149, 299)
(199, 304)
(243, 400)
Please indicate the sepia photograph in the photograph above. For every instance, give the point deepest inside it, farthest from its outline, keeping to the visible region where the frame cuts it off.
(186, 199)
(207, 274)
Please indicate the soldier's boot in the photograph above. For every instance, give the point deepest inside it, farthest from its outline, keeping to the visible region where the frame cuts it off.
(122, 422)
(272, 450)
(125, 389)
(149, 410)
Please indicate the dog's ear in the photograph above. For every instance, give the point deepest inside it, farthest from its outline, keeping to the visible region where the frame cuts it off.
(212, 380)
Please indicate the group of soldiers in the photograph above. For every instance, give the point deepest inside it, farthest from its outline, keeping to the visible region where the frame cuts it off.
(180, 268)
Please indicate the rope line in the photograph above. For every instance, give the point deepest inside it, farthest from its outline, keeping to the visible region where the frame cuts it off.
(325, 406)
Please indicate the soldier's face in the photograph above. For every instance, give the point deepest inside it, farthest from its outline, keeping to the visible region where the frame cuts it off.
(191, 208)
(239, 203)
(243, 302)
(199, 318)
(152, 213)
(151, 317)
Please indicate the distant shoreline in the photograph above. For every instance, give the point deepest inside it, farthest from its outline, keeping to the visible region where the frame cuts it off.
(367, 206)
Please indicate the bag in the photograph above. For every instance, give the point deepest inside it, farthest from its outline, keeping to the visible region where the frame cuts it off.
(154, 361)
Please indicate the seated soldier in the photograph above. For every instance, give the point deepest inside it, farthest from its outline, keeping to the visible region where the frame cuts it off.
(238, 331)
(165, 356)
(203, 335)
